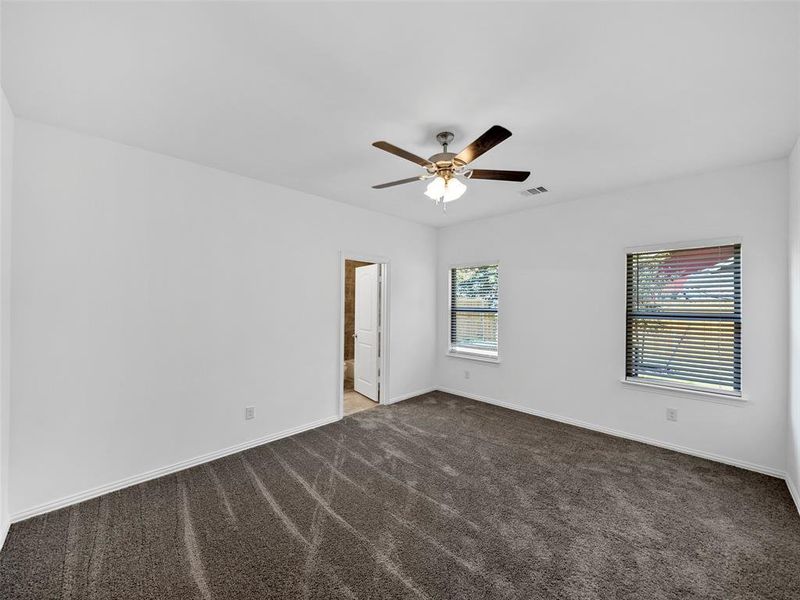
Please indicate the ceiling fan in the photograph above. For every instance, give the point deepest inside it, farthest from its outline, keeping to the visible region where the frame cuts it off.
(446, 169)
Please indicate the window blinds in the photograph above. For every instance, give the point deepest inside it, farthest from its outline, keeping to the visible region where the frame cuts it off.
(473, 309)
(684, 318)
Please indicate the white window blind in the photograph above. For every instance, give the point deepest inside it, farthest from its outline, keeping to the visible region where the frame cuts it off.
(684, 318)
(473, 310)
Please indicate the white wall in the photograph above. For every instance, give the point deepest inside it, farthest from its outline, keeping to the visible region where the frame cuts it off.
(6, 170)
(146, 313)
(793, 413)
(793, 434)
(155, 298)
(562, 309)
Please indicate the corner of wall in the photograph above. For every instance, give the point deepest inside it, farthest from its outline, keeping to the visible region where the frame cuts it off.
(793, 410)
(6, 188)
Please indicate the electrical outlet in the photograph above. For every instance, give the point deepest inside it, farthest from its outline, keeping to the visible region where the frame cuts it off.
(250, 412)
(672, 414)
(466, 374)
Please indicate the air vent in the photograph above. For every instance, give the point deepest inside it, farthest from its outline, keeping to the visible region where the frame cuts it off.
(535, 190)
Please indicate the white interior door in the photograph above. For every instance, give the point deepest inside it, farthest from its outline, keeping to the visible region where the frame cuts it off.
(365, 380)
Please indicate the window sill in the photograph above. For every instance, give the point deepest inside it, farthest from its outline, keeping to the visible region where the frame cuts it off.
(728, 399)
(474, 356)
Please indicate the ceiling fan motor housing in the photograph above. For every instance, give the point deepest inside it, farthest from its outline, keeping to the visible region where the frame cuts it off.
(443, 159)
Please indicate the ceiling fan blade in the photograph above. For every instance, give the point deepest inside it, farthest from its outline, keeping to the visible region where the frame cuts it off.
(392, 149)
(486, 142)
(393, 183)
(499, 175)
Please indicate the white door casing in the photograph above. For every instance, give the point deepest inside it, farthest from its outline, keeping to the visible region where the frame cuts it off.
(367, 313)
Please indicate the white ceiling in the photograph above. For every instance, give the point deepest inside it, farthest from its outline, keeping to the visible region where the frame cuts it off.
(598, 96)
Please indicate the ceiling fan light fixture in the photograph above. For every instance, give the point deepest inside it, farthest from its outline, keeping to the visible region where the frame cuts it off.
(441, 190)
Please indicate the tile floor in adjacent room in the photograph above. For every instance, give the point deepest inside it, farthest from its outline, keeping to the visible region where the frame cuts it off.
(355, 402)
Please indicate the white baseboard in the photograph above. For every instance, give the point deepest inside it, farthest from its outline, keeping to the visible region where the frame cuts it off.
(624, 434)
(161, 471)
(794, 492)
(411, 395)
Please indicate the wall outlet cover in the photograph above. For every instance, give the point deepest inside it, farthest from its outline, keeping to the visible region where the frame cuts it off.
(250, 412)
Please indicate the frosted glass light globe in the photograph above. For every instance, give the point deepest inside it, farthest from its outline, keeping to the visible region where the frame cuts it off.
(453, 190)
(445, 191)
(436, 189)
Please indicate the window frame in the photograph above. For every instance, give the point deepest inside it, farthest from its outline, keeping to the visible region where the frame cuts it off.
(471, 353)
(686, 390)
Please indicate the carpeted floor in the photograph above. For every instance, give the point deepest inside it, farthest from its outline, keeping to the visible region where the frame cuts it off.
(436, 497)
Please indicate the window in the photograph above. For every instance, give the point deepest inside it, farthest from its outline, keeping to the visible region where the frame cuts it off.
(684, 318)
(473, 310)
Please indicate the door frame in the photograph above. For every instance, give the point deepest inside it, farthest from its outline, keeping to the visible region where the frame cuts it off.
(383, 345)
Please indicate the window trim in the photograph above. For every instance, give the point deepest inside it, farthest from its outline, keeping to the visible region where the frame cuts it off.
(467, 353)
(694, 394)
(697, 393)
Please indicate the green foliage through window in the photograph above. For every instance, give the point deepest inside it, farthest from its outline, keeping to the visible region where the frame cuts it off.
(473, 309)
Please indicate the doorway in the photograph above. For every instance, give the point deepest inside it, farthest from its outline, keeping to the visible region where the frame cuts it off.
(363, 334)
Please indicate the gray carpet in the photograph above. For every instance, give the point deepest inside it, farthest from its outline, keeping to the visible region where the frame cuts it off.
(436, 497)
